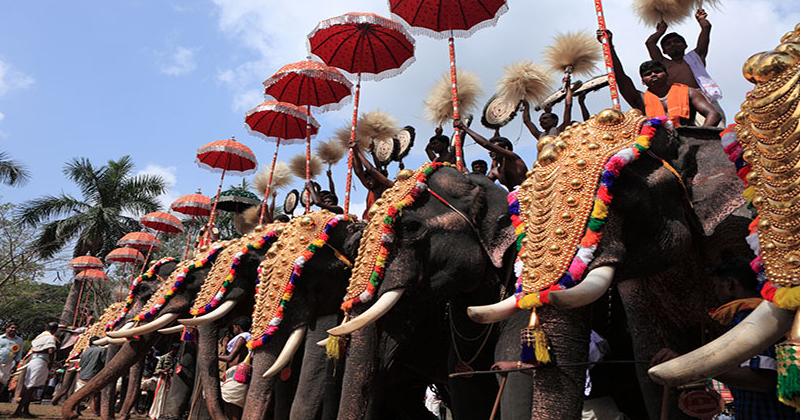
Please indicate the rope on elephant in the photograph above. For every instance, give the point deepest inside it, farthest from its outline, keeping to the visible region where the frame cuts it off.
(562, 365)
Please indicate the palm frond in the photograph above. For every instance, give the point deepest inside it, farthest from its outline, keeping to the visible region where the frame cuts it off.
(13, 173)
(34, 212)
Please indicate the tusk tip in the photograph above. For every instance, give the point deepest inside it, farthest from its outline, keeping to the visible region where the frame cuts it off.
(323, 343)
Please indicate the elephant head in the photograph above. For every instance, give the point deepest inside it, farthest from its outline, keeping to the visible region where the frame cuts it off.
(766, 128)
(437, 237)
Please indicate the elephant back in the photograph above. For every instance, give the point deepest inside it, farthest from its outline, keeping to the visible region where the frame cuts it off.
(95, 330)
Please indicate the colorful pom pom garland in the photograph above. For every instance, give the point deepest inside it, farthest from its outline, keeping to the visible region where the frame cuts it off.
(260, 243)
(179, 281)
(387, 228)
(129, 301)
(297, 270)
(588, 244)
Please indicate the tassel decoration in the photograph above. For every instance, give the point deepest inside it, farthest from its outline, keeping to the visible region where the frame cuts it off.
(534, 342)
(788, 356)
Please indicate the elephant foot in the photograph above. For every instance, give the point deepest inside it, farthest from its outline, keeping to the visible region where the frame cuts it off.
(70, 414)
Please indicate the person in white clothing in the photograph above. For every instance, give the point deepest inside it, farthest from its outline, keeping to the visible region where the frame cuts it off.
(43, 349)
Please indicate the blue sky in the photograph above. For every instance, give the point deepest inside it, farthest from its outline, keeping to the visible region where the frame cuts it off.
(158, 79)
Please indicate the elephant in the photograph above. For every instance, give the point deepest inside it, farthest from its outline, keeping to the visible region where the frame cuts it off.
(766, 129)
(451, 249)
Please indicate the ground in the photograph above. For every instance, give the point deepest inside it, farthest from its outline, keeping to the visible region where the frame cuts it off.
(49, 412)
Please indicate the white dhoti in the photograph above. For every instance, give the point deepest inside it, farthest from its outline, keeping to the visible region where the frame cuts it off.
(5, 372)
(233, 392)
(160, 400)
(36, 372)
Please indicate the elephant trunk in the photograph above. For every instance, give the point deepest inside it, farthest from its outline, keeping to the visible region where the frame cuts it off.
(259, 395)
(66, 385)
(359, 374)
(182, 385)
(314, 383)
(107, 400)
(134, 387)
(129, 354)
(207, 369)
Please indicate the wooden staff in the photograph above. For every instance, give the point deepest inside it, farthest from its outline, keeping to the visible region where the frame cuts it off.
(612, 80)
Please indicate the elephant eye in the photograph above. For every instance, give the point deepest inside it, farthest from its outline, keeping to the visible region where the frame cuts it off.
(412, 228)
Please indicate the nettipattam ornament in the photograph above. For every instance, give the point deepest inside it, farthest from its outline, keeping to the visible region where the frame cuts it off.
(95, 330)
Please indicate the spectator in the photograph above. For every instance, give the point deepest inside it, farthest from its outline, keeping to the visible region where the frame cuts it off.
(10, 354)
(479, 167)
(164, 368)
(234, 390)
(43, 349)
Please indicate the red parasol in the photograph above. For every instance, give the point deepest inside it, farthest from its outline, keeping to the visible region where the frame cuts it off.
(225, 156)
(140, 240)
(84, 262)
(282, 121)
(89, 275)
(125, 255)
(162, 222)
(363, 44)
(448, 19)
(192, 205)
(309, 83)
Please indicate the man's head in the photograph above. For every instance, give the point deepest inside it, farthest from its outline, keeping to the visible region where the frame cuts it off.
(11, 329)
(242, 323)
(93, 339)
(673, 45)
(653, 73)
(328, 198)
(548, 120)
(734, 279)
(439, 144)
(479, 166)
(502, 142)
(52, 327)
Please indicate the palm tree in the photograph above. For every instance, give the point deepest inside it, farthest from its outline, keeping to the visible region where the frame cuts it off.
(112, 198)
(12, 172)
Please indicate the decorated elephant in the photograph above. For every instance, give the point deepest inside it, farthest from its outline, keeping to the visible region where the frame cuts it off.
(767, 130)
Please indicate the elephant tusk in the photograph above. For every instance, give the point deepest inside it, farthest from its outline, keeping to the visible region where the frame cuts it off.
(212, 316)
(172, 330)
(584, 293)
(156, 324)
(287, 352)
(379, 309)
(323, 343)
(103, 341)
(762, 328)
(117, 341)
(496, 312)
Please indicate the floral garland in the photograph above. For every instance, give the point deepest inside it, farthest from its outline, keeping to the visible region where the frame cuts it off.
(297, 270)
(594, 230)
(260, 243)
(387, 237)
(179, 281)
(129, 301)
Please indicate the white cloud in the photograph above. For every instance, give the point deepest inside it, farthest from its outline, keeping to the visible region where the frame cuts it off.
(169, 175)
(11, 79)
(178, 61)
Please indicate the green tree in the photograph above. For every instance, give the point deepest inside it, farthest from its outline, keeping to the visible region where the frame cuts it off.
(112, 200)
(32, 304)
(12, 172)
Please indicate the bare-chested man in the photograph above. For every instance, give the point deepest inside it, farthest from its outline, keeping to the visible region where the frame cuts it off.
(677, 101)
(548, 120)
(507, 167)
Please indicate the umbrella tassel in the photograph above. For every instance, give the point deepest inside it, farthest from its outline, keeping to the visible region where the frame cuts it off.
(269, 181)
(454, 85)
(612, 80)
(356, 94)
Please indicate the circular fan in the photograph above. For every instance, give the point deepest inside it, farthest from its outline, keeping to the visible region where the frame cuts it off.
(383, 150)
(498, 112)
(290, 203)
(405, 140)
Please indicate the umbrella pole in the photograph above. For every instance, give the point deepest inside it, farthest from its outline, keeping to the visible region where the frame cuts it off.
(121, 281)
(78, 305)
(356, 94)
(308, 152)
(213, 210)
(149, 250)
(188, 239)
(269, 181)
(454, 84)
(612, 79)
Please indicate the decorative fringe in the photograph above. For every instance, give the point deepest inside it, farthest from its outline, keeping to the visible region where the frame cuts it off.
(281, 177)
(336, 347)
(789, 373)
(298, 166)
(578, 50)
(439, 103)
(534, 342)
(651, 12)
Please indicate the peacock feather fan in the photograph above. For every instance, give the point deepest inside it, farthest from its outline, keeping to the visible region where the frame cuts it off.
(524, 80)
(439, 103)
(298, 166)
(651, 12)
(280, 178)
(579, 49)
(376, 125)
(330, 151)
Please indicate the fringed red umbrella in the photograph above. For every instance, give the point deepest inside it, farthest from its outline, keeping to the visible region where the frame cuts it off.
(160, 221)
(449, 19)
(125, 256)
(191, 205)
(140, 240)
(84, 262)
(282, 122)
(366, 45)
(225, 156)
(89, 275)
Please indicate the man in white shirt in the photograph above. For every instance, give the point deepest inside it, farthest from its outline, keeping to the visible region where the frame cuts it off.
(44, 348)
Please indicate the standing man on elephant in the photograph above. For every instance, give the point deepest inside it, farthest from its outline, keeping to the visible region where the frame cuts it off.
(507, 167)
(38, 369)
(10, 354)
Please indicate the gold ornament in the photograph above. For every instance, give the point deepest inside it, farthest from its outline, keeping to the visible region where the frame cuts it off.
(557, 197)
(768, 130)
(98, 329)
(404, 174)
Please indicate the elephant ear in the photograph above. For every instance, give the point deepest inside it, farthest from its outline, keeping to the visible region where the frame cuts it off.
(710, 178)
(491, 218)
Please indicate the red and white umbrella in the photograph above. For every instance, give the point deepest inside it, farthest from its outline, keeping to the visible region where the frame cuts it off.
(449, 19)
(89, 275)
(225, 156)
(280, 121)
(366, 45)
(125, 255)
(84, 262)
(162, 222)
(192, 205)
(140, 240)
